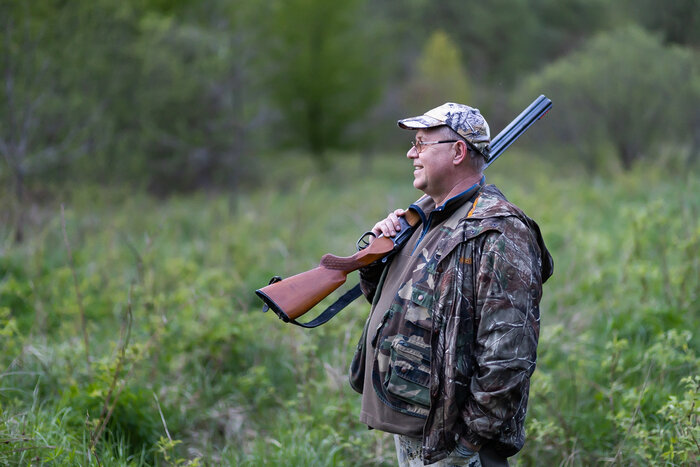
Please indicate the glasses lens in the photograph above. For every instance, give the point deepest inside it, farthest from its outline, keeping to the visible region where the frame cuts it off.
(416, 145)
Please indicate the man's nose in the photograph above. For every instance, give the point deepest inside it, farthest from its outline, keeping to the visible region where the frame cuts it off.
(412, 152)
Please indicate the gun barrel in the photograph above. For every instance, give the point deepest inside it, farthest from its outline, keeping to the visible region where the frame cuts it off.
(517, 127)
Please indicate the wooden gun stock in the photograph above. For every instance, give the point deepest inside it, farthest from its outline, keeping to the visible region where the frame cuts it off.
(292, 297)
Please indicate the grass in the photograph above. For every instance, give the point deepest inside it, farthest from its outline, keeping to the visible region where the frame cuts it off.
(206, 378)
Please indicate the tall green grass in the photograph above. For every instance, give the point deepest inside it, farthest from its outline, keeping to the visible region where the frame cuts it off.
(184, 368)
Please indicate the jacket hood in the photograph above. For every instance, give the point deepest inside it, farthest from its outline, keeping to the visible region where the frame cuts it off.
(492, 204)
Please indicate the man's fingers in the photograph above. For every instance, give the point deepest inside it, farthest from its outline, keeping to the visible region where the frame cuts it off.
(389, 226)
(394, 218)
(384, 227)
(393, 222)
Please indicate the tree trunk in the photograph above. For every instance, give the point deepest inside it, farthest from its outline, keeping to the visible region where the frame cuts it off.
(628, 153)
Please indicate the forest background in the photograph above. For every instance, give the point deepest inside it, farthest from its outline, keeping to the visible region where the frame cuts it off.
(162, 159)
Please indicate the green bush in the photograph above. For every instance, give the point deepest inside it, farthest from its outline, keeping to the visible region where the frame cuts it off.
(191, 371)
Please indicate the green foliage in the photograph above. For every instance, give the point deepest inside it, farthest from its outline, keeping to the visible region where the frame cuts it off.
(502, 40)
(440, 76)
(677, 20)
(115, 91)
(624, 89)
(625, 336)
(178, 95)
(175, 95)
(204, 377)
(324, 75)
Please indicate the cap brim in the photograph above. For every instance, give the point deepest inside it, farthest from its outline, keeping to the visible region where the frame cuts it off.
(421, 121)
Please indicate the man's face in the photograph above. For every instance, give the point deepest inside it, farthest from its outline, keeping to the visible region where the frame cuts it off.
(432, 168)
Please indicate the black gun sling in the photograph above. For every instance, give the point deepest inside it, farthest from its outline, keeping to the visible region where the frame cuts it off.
(345, 300)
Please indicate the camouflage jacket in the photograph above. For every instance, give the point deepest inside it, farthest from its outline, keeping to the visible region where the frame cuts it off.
(464, 345)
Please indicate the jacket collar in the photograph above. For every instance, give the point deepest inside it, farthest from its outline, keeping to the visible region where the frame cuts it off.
(425, 206)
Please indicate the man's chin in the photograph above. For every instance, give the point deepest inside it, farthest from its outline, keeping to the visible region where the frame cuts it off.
(418, 184)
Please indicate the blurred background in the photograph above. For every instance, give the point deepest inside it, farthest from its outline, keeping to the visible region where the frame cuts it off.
(180, 95)
(161, 159)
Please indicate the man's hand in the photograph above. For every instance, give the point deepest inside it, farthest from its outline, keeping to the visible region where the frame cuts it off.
(390, 225)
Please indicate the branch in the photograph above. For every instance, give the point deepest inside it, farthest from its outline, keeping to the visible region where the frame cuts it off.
(107, 409)
(162, 417)
(618, 455)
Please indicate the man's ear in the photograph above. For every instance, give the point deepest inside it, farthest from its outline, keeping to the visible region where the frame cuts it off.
(461, 153)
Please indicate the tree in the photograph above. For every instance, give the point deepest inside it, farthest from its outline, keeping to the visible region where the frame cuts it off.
(119, 91)
(503, 39)
(440, 76)
(192, 97)
(677, 20)
(325, 70)
(625, 88)
(47, 110)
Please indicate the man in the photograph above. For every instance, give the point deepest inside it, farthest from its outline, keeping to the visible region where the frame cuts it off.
(446, 355)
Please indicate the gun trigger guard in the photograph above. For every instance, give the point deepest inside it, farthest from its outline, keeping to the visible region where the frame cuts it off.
(274, 279)
(363, 242)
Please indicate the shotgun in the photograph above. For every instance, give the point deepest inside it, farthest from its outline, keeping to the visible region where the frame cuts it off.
(292, 297)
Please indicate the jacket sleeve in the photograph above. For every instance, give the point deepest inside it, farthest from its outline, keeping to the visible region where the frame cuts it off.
(508, 288)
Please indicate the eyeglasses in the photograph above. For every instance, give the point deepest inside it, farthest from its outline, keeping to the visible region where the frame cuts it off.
(418, 145)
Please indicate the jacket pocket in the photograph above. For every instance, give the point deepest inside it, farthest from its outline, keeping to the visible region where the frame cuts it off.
(418, 308)
(409, 376)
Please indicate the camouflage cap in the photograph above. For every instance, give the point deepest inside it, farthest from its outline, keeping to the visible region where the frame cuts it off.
(466, 121)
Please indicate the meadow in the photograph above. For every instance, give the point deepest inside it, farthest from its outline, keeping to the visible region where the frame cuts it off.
(131, 334)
